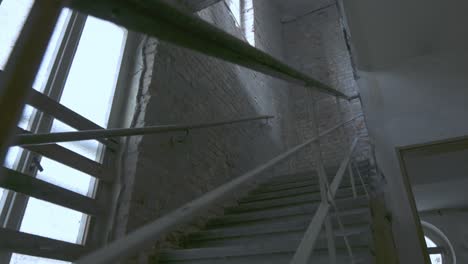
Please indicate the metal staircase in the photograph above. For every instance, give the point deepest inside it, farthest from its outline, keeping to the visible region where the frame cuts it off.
(269, 223)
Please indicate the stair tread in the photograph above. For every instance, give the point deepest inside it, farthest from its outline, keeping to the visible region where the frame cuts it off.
(274, 247)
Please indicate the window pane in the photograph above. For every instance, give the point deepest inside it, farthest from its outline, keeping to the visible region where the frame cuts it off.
(13, 14)
(51, 220)
(87, 148)
(235, 7)
(90, 84)
(65, 177)
(436, 258)
(24, 259)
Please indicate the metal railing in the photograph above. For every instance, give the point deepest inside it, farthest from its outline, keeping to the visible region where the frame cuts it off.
(155, 230)
(48, 138)
(160, 20)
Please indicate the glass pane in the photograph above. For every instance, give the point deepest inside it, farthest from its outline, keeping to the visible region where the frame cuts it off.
(436, 258)
(51, 220)
(87, 148)
(234, 6)
(65, 177)
(24, 259)
(91, 82)
(13, 14)
(429, 242)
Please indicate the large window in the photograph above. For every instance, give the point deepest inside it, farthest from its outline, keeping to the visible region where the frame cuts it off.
(88, 89)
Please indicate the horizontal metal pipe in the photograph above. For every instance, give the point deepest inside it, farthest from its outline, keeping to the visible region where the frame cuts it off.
(153, 231)
(159, 19)
(49, 138)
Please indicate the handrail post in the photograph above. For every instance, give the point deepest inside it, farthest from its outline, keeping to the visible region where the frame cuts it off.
(323, 183)
(351, 180)
(362, 181)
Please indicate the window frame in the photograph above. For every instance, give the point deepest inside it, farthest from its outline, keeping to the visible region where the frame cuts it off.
(13, 205)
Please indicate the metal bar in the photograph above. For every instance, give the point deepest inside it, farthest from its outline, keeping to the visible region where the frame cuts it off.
(153, 231)
(42, 190)
(159, 19)
(362, 181)
(47, 138)
(306, 247)
(351, 180)
(345, 237)
(323, 182)
(53, 108)
(23, 243)
(23, 64)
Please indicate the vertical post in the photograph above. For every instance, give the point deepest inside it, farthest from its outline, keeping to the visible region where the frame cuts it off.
(324, 196)
(362, 181)
(323, 183)
(23, 64)
(351, 179)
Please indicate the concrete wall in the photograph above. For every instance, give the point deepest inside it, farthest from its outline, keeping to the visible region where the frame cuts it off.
(315, 44)
(174, 85)
(421, 100)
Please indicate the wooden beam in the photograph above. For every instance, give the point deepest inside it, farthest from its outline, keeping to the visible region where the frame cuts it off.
(167, 23)
(33, 245)
(43, 190)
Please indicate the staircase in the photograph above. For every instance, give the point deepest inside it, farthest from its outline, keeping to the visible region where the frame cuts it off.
(268, 225)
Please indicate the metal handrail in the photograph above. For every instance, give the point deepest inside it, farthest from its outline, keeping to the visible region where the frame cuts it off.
(49, 138)
(153, 231)
(307, 245)
(165, 22)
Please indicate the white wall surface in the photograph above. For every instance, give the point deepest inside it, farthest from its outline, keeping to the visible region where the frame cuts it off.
(422, 100)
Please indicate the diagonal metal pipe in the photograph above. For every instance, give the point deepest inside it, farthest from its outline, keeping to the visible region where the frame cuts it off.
(167, 23)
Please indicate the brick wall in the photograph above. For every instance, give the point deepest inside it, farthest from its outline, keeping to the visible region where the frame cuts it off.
(314, 43)
(175, 85)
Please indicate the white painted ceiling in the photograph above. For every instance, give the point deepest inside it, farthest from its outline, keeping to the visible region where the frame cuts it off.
(385, 33)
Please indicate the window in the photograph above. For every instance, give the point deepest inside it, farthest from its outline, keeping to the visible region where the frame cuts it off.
(244, 17)
(248, 21)
(439, 247)
(88, 89)
(435, 258)
(235, 8)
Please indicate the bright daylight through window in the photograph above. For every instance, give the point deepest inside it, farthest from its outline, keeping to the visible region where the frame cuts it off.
(88, 91)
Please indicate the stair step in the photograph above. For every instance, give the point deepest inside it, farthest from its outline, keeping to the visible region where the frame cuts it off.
(296, 185)
(249, 254)
(357, 235)
(276, 201)
(356, 218)
(276, 213)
